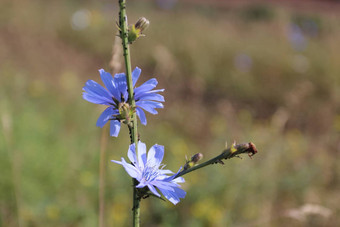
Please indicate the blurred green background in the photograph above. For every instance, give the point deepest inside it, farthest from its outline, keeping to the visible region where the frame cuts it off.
(265, 73)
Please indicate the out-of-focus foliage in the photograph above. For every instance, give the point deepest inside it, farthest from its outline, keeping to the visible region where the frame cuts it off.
(254, 73)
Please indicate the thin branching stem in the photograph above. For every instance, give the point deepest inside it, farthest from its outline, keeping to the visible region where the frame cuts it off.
(231, 152)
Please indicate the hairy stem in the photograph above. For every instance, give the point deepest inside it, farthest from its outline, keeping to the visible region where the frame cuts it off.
(133, 126)
(231, 152)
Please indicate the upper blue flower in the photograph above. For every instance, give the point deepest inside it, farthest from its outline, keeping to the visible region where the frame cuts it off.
(116, 97)
(148, 171)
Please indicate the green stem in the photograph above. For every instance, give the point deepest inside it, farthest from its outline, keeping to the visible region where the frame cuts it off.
(234, 151)
(136, 204)
(133, 126)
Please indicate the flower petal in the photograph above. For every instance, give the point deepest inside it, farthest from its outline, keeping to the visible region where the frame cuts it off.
(173, 196)
(149, 106)
(165, 185)
(93, 87)
(121, 85)
(132, 154)
(109, 83)
(150, 97)
(180, 192)
(114, 128)
(154, 91)
(153, 190)
(130, 169)
(141, 154)
(147, 86)
(96, 99)
(105, 116)
(118, 162)
(178, 180)
(173, 176)
(165, 171)
(141, 115)
(155, 155)
(135, 75)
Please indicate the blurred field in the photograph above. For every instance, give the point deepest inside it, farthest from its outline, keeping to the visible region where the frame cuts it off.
(259, 73)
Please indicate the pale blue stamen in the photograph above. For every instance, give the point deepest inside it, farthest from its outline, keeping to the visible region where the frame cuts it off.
(150, 173)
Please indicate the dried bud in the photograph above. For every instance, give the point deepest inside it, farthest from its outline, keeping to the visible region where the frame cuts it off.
(252, 150)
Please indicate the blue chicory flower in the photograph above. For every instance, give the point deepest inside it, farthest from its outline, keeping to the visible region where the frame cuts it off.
(115, 96)
(148, 171)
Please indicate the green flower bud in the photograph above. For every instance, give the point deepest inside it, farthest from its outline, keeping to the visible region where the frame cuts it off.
(133, 34)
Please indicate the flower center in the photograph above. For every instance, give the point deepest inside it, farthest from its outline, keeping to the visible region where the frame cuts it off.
(150, 173)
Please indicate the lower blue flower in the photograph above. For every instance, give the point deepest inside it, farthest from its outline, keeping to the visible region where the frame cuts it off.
(148, 170)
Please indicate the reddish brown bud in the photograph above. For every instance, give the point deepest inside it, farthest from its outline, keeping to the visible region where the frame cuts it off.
(251, 150)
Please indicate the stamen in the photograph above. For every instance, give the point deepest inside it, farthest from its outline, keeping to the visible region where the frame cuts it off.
(150, 173)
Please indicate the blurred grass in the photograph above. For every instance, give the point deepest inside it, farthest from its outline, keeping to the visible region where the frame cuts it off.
(229, 74)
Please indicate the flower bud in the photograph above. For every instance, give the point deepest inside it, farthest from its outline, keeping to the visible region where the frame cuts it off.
(193, 161)
(135, 31)
(196, 158)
